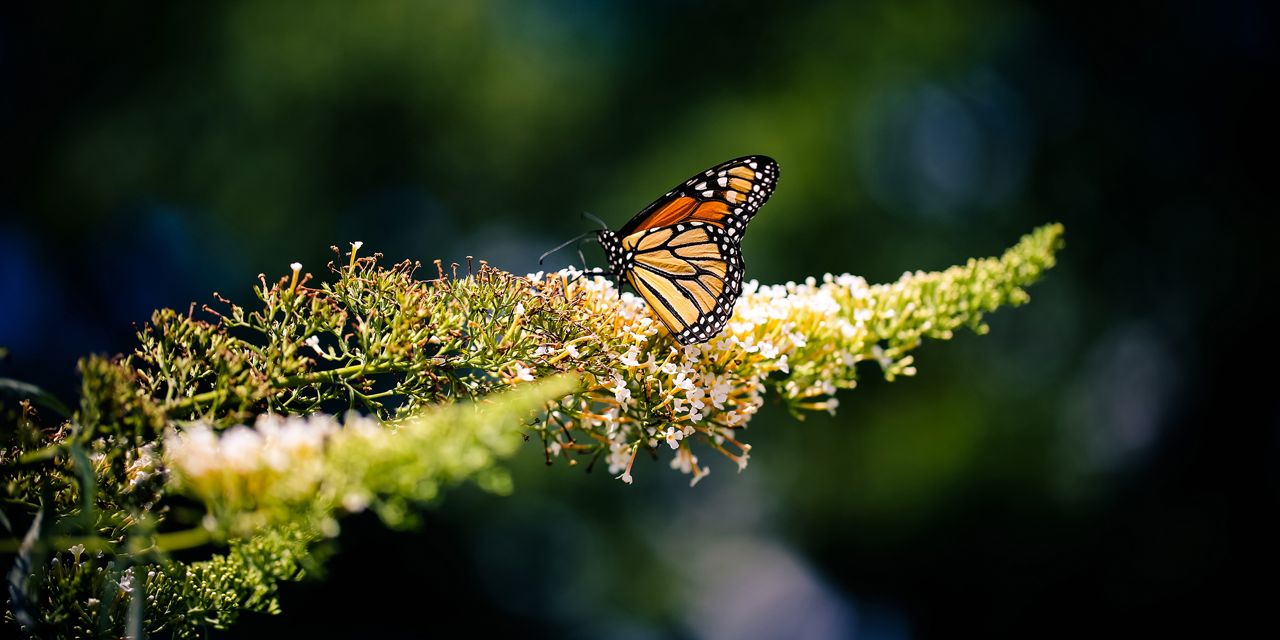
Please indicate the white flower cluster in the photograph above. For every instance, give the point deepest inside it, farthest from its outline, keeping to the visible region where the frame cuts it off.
(309, 468)
(281, 458)
(142, 465)
(659, 393)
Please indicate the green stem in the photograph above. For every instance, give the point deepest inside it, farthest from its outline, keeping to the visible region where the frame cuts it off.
(43, 454)
(173, 541)
(179, 540)
(333, 375)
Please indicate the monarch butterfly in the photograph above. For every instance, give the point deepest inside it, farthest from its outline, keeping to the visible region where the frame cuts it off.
(682, 252)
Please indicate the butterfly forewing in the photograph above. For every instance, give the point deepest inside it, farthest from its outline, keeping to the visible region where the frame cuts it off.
(681, 253)
(727, 195)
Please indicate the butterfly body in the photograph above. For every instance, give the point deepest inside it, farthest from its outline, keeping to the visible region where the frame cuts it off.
(683, 253)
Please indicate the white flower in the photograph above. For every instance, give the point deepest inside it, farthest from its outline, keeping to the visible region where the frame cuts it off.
(684, 461)
(314, 343)
(651, 365)
(768, 350)
(296, 266)
(355, 246)
(629, 358)
(143, 467)
(620, 391)
(610, 420)
(683, 382)
(673, 437)
(619, 456)
(884, 360)
(670, 368)
(524, 373)
(573, 350)
(625, 477)
(241, 449)
(720, 393)
(355, 502)
(695, 396)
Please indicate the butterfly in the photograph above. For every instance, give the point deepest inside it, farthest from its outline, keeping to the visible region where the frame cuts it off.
(682, 253)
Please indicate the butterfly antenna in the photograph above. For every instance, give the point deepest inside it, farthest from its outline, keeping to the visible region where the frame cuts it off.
(598, 221)
(576, 239)
(582, 257)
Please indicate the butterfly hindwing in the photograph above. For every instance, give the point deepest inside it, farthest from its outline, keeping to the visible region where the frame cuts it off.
(690, 273)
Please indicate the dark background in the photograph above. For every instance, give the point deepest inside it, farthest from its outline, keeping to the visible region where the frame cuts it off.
(1104, 460)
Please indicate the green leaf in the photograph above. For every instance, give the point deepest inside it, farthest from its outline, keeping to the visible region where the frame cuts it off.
(28, 391)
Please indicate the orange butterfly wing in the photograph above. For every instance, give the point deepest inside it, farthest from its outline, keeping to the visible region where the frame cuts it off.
(681, 253)
(691, 275)
(726, 195)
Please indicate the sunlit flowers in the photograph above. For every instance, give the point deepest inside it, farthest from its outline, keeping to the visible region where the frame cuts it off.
(441, 377)
(802, 340)
(278, 458)
(288, 467)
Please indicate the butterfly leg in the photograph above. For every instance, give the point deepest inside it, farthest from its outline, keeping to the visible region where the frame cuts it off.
(617, 285)
(613, 277)
(592, 272)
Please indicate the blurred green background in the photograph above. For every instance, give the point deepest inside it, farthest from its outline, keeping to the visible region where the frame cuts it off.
(1083, 463)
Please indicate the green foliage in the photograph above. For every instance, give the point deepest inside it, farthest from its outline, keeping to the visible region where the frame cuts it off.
(306, 469)
(221, 429)
(85, 595)
(269, 500)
